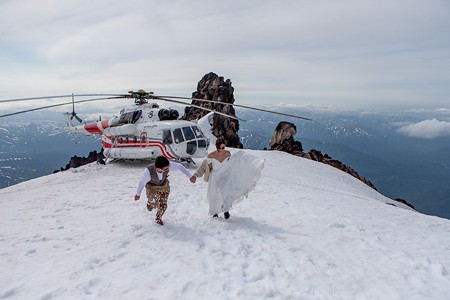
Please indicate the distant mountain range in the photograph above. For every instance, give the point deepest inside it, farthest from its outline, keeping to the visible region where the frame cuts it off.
(414, 169)
(31, 148)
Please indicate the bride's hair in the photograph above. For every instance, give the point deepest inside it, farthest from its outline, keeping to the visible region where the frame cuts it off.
(219, 142)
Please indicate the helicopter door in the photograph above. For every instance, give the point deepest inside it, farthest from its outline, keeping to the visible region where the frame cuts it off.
(191, 146)
(178, 136)
(143, 139)
(202, 142)
(167, 137)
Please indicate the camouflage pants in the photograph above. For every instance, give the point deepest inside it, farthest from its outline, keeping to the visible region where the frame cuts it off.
(157, 196)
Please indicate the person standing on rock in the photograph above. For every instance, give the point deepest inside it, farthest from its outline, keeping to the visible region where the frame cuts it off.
(156, 182)
(230, 177)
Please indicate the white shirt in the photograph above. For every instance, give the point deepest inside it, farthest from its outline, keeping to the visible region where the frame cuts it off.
(146, 176)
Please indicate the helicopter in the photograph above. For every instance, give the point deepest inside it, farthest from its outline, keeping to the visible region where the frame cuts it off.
(144, 130)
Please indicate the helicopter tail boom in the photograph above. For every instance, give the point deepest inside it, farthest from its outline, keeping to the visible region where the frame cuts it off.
(88, 128)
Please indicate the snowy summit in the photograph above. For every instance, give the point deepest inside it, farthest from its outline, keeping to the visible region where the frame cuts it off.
(307, 231)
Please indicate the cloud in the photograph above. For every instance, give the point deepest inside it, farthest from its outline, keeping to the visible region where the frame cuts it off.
(427, 129)
(312, 52)
(442, 110)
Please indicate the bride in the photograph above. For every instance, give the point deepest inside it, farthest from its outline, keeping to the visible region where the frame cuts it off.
(230, 177)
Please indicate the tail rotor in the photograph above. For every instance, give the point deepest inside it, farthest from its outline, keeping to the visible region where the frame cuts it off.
(74, 114)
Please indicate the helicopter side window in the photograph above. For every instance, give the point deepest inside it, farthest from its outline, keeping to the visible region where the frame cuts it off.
(198, 132)
(167, 137)
(178, 136)
(188, 133)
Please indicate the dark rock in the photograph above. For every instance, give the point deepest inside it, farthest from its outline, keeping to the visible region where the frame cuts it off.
(283, 140)
(76, 161)
(213, 87)
(404, 202)
(326, 159)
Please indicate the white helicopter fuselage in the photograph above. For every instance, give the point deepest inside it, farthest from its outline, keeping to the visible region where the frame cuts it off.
(145, 131)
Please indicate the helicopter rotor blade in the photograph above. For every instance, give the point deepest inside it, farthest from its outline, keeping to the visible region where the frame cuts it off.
(139, 95)
(56, 105)
(238, 105)
(60, 96)
(200, 107)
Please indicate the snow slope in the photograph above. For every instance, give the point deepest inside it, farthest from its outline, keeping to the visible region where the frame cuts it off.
(308, 231)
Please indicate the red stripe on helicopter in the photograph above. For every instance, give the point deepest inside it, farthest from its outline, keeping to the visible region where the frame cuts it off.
(105, 124)
(162, 147)
(92, 128)
(106, 141)
(96, 127)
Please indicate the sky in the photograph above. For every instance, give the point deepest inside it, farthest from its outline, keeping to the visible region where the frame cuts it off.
(350, 52)
(321, 236)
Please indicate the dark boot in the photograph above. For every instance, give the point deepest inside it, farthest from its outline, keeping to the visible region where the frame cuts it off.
(226, 215)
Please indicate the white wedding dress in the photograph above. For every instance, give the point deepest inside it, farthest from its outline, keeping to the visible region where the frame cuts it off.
(232, 180)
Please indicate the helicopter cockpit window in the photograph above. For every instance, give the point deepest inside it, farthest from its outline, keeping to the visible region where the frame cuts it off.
(202, 144)
(136, 116)
(198, 132)
(167, 137)
(130, 117)
(126, 118)
(178, 136)
(188, 133)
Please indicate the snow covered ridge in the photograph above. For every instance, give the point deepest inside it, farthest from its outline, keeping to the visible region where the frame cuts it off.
(308, 231)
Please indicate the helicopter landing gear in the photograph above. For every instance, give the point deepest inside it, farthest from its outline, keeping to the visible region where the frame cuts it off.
(101, 161)
(189, 161)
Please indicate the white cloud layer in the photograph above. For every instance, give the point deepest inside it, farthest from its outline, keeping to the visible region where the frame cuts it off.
(427, 129)
(313, 52)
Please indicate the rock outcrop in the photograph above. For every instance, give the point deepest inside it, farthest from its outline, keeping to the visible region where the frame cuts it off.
(214, 87)
(283, 140)
(76, 161)
(324, 158)
(404, 202)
